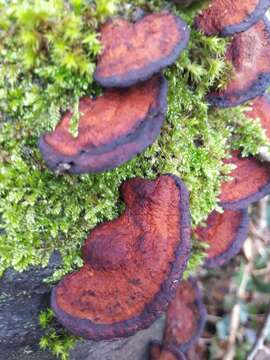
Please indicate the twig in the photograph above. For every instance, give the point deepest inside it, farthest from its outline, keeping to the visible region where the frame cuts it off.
(261, 272)
(262, 211)
(259, 344)
(235, 316)
(254, 231)
(213, 318)
(258, 233)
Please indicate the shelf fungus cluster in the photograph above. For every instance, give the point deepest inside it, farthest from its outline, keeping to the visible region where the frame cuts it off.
(248, 52)
(228, 17)
(226, 232)
(127, 118)
(132, 265)
(185, 320)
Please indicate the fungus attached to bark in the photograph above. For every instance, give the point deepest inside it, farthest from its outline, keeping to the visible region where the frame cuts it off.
(133, 52)
(225, 234)
(185, 317)
(260, 109)
(113, 128)
(185, 320)
(250, 182)
(157, 352)
(249, 54)
(133, 264)
(227, 17)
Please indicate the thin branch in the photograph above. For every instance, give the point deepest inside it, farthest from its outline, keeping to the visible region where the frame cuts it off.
(235, 315)
(259, 344)
(261, 272)
(258, 233)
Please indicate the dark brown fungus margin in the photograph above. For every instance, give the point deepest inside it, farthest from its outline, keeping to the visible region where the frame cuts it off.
(113, 128)
(225, 234)
(133, 52)
(133, 264)
(227, 17)
(250, 182)
(260, 109)
(249, 54)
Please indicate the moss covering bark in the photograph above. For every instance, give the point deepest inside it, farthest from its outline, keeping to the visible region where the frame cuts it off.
(47, 61)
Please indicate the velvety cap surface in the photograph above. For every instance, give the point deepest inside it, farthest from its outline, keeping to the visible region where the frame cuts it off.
(133, 52)
(112, 129)
(133, 264)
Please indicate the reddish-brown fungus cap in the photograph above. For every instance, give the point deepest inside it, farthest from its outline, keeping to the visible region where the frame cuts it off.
(249, 54)
(186, 317)
(227, 17)
(133, 52)
(225, 234)
(157, 352)
(133, 264)
(260, 109)
(250, 182)
(112, 129)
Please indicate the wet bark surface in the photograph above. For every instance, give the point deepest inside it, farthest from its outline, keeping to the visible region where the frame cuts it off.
(22, 297)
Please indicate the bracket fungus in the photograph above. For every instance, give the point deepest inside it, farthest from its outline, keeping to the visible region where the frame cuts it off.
(249, 54)
(185, 320)
(133, 264)
(157, 352)
(133, 52)
(260, 109)
(185, 317)
(227, 17)
(112, 129)
(250, 182)
(225, 234)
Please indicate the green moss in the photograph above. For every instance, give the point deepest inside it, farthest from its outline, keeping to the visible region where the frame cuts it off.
(42, 211)
(47, 58)
(56, 340)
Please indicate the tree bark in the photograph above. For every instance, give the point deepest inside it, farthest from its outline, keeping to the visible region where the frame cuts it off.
(24, 295)
(132, 348)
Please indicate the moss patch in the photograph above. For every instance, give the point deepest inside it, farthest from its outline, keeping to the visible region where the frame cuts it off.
(41, 211)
